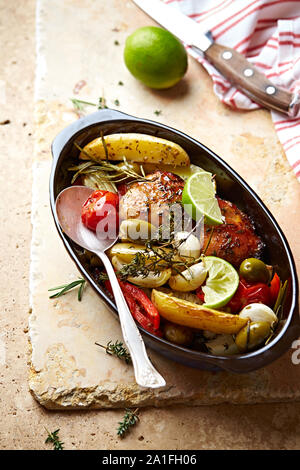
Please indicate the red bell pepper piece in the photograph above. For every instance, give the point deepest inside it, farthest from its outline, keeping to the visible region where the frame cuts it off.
(274, 288)
(135, 308)
(248, 294)
(137, 312)
(144, 301)
(200, 294)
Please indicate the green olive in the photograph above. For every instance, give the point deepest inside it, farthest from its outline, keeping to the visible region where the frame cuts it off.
(178, 334)
(252, 335)
(254, 270)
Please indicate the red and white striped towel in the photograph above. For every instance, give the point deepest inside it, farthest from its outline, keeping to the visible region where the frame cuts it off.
(267, 32)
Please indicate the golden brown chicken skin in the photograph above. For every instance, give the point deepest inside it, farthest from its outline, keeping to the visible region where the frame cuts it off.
(150, 200)
(234, 240)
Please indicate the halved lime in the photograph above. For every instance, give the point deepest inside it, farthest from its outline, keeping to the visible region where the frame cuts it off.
(199, 197)
(221, 283)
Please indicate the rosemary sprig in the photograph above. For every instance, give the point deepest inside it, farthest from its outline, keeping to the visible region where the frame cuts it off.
(117, 349)
(105, 170)
(130, 419)
(53, 438)
(66, 287)
(278, 307)
(280, 297)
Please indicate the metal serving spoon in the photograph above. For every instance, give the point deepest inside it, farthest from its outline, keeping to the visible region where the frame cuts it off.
(68, 209)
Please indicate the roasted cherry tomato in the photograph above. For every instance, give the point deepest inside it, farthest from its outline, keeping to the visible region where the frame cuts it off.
(101, 206)
(254, 270)
(274, 288)
(249, 294)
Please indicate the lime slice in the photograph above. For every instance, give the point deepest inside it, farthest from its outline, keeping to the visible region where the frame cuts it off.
(199, 197)
(221, 283)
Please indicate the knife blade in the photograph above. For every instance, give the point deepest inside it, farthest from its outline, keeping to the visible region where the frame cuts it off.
(230, 63)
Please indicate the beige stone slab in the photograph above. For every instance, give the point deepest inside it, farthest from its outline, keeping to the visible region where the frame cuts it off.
(262, 426)
(68, 370)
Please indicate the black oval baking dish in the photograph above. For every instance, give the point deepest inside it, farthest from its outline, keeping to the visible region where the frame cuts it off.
(231, 187)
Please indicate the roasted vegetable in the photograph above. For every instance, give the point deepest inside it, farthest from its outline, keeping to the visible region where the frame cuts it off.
(249, 294)
(222, 345)
(252, 335)
(259, 313)
(137, 230)
(143, 301)
(189, 314)
(178, 334)
(101, 207)
(137, 148)
(125, 251)
(152, 280)
(188, 245)
(190, 279)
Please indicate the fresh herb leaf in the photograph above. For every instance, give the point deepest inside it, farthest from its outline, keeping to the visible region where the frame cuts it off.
(117, 349)
(106, 170)
(80, 105)
(280, 297)
(66, 287)
(117, 102)
(102, 103)
(130, 419)
(53, 438)
(120, 83)
(157, 112)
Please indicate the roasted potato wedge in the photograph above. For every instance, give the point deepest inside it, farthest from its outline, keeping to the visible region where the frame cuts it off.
(141, 148)
(186, 313)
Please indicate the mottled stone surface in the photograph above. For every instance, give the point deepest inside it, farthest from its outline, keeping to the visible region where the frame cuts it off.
(68, 370)
(227, 426)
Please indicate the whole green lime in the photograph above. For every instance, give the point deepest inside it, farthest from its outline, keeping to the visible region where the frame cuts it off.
(155, 57)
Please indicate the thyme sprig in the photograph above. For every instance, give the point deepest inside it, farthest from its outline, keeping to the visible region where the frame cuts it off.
(130, 419)
(116, 349)
(66, 287)
(53, 438)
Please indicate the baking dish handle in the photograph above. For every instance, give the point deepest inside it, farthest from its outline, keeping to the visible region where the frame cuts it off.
(103, 115)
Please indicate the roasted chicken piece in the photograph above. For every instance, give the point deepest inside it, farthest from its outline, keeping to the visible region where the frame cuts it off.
(150, 200)
(234, 240)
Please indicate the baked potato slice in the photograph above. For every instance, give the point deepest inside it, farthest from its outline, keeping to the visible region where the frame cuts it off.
(186, 313)
(141, 148)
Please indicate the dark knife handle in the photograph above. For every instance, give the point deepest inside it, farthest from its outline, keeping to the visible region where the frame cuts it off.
(244, 76)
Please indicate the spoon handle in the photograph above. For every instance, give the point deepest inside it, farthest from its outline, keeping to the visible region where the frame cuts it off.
(145, 374)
